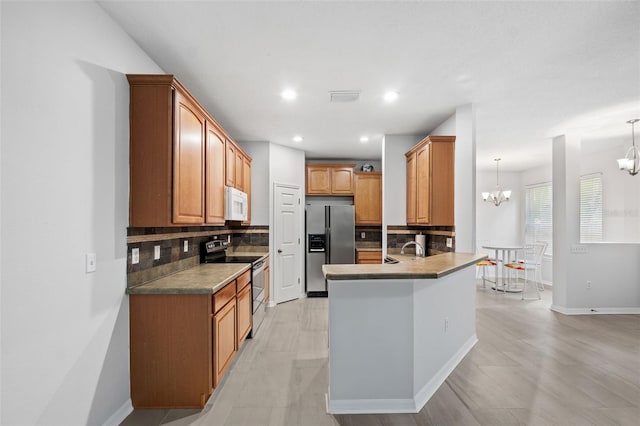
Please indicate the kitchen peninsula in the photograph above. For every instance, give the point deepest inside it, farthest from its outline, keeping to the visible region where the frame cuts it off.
(396, 331)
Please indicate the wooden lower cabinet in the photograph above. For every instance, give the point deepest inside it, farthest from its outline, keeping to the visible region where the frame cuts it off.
(170, 350)
(371, 257)
(181, 345)
(224, 339)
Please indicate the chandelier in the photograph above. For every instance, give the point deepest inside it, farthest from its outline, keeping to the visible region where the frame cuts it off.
(497, 196)
(631, 161)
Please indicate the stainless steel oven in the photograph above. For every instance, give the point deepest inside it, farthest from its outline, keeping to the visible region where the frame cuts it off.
(215, 252)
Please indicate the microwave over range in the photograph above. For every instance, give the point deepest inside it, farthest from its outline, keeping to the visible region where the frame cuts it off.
(236, 204)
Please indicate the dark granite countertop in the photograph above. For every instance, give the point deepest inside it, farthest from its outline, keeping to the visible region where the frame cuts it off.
(408, 267)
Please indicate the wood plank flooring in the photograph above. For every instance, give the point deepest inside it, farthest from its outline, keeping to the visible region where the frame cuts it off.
(531, 366)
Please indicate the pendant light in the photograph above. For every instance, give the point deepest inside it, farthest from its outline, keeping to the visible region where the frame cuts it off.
(497, 196)
(631, 161)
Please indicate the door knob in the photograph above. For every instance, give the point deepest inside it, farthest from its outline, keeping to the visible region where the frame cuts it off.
(279, 251)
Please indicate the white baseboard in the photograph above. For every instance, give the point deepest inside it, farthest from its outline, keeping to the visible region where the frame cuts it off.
(372, 406)
(595, 311)
(118, 417)
(427, 391)
(408, 405)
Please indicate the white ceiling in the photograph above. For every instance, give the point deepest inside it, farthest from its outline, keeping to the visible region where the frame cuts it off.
(533, 70)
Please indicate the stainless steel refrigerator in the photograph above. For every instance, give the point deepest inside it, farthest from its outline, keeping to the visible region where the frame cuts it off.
(330, 232)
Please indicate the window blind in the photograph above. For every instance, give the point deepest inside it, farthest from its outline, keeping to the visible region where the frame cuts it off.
(591, 207)
(539, 215)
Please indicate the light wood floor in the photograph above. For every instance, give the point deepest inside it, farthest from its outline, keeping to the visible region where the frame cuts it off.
(531, 366)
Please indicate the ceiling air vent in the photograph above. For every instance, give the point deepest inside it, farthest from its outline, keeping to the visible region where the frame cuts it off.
(344, 95)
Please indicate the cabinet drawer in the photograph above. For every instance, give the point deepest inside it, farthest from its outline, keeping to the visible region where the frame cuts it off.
(222, 297)
(369, 257)
(243, 280)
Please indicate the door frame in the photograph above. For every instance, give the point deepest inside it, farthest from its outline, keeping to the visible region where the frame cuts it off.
(272, 242)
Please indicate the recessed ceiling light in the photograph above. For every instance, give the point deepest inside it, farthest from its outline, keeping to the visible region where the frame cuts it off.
(297, 138)
(364, 139)
(390, 96)
(289, 94)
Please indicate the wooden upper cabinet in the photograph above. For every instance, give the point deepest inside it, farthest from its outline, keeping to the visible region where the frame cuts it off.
(430, 182)
(342, 180)
(188, 161)
(230, 163)
(166, 153)
(239, 170)
(329, 179)
(246, 182)
(214, 176)
(368, 198)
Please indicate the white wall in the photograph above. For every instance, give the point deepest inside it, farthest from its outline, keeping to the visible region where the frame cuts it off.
(613, 269)
(259, 152)
(286, 166)
(64, 193)
(621, 194)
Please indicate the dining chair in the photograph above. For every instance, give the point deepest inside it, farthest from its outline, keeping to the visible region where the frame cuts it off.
(530, 264)
(483, 265)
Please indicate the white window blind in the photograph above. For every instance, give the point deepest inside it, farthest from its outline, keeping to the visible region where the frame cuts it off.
(539, 215)
(591, 207)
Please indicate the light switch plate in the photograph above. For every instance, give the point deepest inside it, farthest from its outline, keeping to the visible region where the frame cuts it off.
(578, 249)
(135, 256)
(91, 262)
(156, 252)
(185, 246)
(449, 242)
(362, 235)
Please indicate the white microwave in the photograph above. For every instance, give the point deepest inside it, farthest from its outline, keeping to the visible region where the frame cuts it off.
(236, 204)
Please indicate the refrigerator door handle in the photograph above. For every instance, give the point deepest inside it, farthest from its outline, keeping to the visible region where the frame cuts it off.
(327, 244)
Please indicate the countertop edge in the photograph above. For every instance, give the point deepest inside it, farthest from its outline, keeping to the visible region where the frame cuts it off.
(361, 274)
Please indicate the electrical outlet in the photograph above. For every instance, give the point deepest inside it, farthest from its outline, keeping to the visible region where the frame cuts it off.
(91, 262)
(215, 237)
(578, 249)
(185, 246)
(449, 242)
(362, 235)
(588, 285)
(156, 252)
(446, 324)
(135, 256)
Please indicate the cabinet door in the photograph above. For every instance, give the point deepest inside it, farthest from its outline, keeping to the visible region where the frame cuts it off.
(244, 314)
(369, 257)
(239, 171)
(246, 181)
(442, 183)
(412, 191)
(214, 176)
(224, 339)
(368, 198)
(188, 162)
(342, 181)
(230, 164)
(318, 180)
(423, 184)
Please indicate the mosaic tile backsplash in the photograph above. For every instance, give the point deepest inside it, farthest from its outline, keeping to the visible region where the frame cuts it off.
(173, 257)
(436, 237)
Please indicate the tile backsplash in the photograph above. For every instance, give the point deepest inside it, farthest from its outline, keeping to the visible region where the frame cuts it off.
(173, 257)
(436, 237)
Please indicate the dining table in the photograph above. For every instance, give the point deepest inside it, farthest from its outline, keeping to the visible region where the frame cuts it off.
(503, 254)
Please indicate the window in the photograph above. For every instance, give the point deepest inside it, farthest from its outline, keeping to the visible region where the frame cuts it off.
(539, 215)
(591, 207)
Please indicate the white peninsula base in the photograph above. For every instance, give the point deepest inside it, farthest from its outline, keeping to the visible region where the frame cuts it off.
(393, 342)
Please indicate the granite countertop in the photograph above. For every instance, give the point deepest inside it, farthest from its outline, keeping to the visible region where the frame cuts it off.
(206, 278)
(368, 248)
(408, 267)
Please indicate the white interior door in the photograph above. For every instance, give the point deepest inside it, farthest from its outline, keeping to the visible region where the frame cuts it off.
(287, 274)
